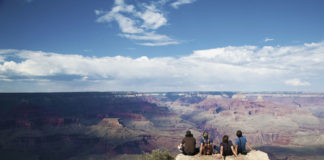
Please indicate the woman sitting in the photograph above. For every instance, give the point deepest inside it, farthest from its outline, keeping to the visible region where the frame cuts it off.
(226, 148)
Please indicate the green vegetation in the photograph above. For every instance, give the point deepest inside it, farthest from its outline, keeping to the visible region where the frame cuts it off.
(157, 154)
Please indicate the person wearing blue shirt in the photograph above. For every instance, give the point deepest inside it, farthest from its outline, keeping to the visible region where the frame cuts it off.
(206, 144)
(240, 143)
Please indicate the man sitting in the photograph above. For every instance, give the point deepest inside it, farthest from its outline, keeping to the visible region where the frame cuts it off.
(188, 144)
(240, 143)
(206, 144)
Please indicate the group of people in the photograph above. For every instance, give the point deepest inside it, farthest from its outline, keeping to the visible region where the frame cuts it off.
(226, 148)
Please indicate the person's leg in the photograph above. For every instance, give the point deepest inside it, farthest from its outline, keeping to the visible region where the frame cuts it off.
(204, 150)
(197, 150)
(211, 148)
(216, 149)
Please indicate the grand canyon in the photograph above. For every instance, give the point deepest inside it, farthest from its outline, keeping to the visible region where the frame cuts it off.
(123, 125)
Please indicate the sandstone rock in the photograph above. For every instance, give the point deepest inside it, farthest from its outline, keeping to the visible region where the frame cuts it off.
(110, 122)
(253, 155)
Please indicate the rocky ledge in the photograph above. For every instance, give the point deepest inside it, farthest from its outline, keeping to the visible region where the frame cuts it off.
(253, 155)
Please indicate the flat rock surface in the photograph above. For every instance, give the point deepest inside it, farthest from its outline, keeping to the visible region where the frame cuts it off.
(253, 155)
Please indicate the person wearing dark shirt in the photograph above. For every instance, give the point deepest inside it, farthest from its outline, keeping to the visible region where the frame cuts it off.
(206, 144)
(240, 143)
(226, 148)
(189, 144)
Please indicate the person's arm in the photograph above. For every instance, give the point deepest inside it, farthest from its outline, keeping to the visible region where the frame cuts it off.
(221, 152)
(200, 149)
(211, 146)
(236, 146)
(248, 145)
(234, 152)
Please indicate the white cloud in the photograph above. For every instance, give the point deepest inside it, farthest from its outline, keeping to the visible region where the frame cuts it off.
(138, 22)
(151, 36)
(99, 12)
(158, 43)
(268, 39)
(152, 18)
(296, 82)
(127, 25)
(177, 3)
(227, 68)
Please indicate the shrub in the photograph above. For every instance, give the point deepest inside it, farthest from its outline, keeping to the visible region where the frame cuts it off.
(157, 154)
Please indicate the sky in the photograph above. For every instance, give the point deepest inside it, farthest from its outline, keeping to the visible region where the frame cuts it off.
(161, 45)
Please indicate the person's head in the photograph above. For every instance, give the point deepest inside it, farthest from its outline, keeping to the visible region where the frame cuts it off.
(225, 139)
(205, 134)
(188, 133)
(239, 133)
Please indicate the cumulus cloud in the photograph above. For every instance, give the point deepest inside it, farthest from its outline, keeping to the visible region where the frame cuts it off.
(138, 22)
(246, 68)
(296, 82)
(177, 3)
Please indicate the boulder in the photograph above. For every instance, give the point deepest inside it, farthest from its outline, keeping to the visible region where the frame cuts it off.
(253, 155)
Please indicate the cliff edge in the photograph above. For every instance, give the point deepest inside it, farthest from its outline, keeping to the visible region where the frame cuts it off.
(253, 155)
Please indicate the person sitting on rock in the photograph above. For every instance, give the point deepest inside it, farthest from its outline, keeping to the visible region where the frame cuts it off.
(188, 144)
(240, 143)
(226, 148)
(206, 144)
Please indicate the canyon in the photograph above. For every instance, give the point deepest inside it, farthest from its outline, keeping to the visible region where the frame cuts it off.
(119, 125)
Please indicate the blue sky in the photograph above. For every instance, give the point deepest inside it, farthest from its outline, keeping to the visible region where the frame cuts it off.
(161, 45)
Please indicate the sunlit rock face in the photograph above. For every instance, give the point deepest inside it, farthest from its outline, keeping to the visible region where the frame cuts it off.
(265, 119)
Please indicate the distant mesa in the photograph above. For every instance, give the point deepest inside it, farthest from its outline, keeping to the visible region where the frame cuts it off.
(239, 96)
(259, 98)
